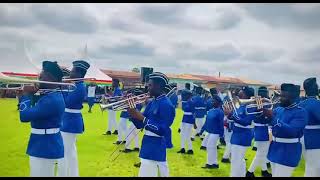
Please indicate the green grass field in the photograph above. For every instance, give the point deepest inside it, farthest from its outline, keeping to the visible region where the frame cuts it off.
(94, 149)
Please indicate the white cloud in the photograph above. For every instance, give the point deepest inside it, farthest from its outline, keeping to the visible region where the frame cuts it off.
(274, 43)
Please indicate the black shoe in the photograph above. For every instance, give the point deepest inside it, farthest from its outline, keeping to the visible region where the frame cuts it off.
(222, 142)
(190, 151)
(123, 142)
(250, 174)
(126, 150)
(192, 139)
(179, 130)
(218, 147)
(203, 148)
(107, 133)
(198, 135)
(182, 151)
(213, 166)
(266, 174)
(269, 165)
(136, 149)
(254, 148)
(137, 164)
(115, 132)
(224, 160)
(117, 142)
(201, 138)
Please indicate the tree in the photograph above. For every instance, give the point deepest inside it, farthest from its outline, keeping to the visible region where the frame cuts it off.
(137, 70)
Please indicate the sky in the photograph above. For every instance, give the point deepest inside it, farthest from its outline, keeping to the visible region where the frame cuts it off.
(274, 42)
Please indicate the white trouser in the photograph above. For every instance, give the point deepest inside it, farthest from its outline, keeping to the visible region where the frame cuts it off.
(112, 123)
(205, 140)
(261, 156)
(199, 124)
(41, 167)
(227, 138)
(133, 134)
(68, 166)
(238, 163)
(212, 149)
(150, 168)
(186, 130)
(255, 144)
(122, 129)
(279, 170)
(312, 168)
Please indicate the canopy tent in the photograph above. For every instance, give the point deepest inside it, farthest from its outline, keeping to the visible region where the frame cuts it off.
(100, 78)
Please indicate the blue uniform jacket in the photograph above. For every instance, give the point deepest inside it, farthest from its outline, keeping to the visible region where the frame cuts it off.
(214, 122)
(46, 114)
(311, 136)
(117, 92)
(209, 103)
(188, 108)
(73, 122)
(200, 106)
(261, 131)
(159, 115)
(242, 136)
(287, 123)
(174, 100)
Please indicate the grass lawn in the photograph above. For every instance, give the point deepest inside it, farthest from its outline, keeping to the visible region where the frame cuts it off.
(94, 149)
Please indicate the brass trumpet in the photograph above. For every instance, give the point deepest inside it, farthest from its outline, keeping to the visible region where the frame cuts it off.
(130, 101)
(257, 104)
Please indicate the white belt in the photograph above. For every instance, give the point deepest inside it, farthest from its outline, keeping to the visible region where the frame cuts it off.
(285, 140)
(312, 127)
(200, 108)
(240, 126)
(187, 113)
(45, 131)
(149, 133)
(72, 110)
(258, 124)
(184, 101)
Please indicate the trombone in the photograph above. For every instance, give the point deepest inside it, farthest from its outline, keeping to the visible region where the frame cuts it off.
(23, 82)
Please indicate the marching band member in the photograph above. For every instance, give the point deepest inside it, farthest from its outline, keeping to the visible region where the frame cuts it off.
(168, 136)
(288, 123)
(204, 135)
(156, 120)
(242, 135)
(174, 96)
(112, 123)
(122, 128)
(200, 110)
(188, 122)
(133, 130)
(72, 121)
(183, 98)
(91, 96)
(312, 129)
(214, 126)
(228, 125)
(261, 138)
(45, 144)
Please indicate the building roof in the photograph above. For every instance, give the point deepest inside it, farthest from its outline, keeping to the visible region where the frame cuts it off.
(121, 74)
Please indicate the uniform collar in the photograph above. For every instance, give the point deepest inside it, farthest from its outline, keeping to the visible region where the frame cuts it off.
(291, 106)
(161, 96)
(79, 82)
(311, 97)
